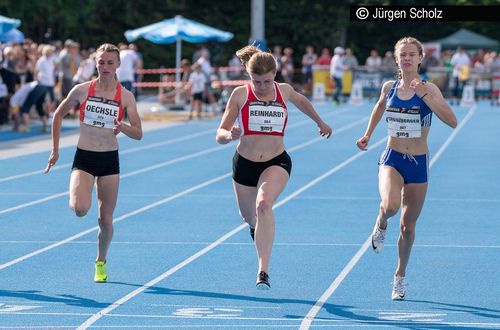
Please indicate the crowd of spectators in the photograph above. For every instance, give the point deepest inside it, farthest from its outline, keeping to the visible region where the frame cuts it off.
(41, 75)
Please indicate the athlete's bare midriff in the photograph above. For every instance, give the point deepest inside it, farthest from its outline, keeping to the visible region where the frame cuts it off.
(260, 148)
(97, 138)
(411, 146)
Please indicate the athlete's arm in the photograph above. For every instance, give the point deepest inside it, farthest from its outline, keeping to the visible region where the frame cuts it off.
(226, 131)
(304, 105)
(75, 96)
(134, 128)
(434, 99)
(376, 115)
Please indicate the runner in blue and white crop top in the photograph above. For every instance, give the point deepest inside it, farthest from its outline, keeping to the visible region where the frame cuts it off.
(406, 117)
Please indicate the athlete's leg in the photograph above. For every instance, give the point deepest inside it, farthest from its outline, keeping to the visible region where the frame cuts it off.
(246, 197)
(413, 201)
(80, 192)
(107, 194)
(390, 184)
(271, 183)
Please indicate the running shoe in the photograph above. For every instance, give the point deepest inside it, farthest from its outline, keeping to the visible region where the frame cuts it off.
(398, 288)
(100, 272)
(263, 281)
(24, 129)
(378, 237)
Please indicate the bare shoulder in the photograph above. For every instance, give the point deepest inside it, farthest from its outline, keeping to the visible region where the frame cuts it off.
(127, 95)
(286, 88)
(433, 87)
(79, 92)
(239, 94)
(386, 87)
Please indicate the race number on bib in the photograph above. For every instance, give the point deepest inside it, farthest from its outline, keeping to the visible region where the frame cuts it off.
(266, 117)
(403, 123)
(100, 112)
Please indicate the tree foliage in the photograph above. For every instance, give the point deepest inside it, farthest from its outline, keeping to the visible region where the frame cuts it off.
(289, 23)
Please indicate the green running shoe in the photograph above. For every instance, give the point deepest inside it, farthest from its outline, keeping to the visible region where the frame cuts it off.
(100, 275)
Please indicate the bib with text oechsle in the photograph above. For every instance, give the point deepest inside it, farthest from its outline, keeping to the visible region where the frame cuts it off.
(266, 117)
(101, 112)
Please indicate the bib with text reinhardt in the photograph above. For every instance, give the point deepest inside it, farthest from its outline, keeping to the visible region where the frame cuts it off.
(266, 117)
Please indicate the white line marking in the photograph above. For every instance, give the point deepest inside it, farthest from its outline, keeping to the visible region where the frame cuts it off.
(124, 152)
(308, 319)
(223, 238)
(154, 167)
(434, 246)
(165, 200)
(145, 147)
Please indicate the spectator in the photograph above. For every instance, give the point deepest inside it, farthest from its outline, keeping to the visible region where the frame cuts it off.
(86, 70)
(388, 62)
(166, 92)
(234, 65)
(373, 62)
(308, 60)
(287, 67)
(45, 74)
(69, 62)
(277, 54)
(24, 98)
(197, 81)
(325, 58)
(461, 71)
(126, 70)
(138, 65)
(337, 69)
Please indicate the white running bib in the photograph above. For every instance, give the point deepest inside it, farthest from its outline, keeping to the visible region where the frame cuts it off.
(101, 112)
(266, 117)
(403, 123)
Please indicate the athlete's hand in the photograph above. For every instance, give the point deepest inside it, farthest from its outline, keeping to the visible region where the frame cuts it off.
(325, 130)
(362, 142)
(118, 127)
(419, 87)
(235, 132)
(52, 161)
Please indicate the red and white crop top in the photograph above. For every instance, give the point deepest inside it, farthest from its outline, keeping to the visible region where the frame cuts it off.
(100, 112)
(258, 117)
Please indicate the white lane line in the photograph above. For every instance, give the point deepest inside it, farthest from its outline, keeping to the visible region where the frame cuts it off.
(219, 241)
(145, 243)
(308, 319)
(140, 210)
(149, 146)
(124, 152)
(167, 163)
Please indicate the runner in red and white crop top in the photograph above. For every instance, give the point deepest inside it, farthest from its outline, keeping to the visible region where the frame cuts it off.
(101, 112)
(258, 117)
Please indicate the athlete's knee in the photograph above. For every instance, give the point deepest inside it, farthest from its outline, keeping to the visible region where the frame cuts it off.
(80, 210)
(389, 208)
(263, 206)
(248, 218)
(407, 230)
(105, 221)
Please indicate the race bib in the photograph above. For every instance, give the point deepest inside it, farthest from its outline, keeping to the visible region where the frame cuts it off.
(403, 123)
(101, 112)
(266, 117)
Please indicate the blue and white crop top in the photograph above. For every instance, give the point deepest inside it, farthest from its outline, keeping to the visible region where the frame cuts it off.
(405, 118)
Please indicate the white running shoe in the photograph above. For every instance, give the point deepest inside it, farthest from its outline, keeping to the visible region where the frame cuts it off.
(398, 288)
(378, 237)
